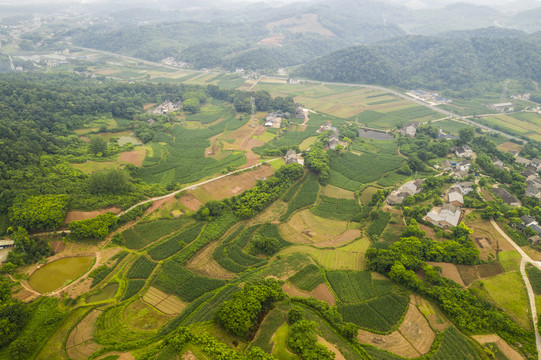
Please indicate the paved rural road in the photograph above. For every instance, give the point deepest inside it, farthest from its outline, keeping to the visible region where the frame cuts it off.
(195, 185)
(531, 295)
(375, 87)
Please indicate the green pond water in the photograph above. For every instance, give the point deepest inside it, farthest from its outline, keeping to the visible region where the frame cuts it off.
(53, 275)
(107, 292)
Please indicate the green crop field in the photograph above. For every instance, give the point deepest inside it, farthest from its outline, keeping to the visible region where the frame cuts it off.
(206, 310)
(351, 287)
(335, 208)
(141, 268)
(134, 286)
(185, 161)
(306, 195)
(379, 314)
(350, 171)
(534, 274)
(175, 243)
(175, 279)
(454, 345)
(269, 326)
(377, 226)
(308, 278)
(143, 234)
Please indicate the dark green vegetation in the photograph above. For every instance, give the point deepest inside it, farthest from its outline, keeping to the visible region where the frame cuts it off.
(175, 243)
(143, 234)
(350, 171)
(336, 208)
(134, 286)
(535, 278)
(141, 268)
(370, 304)
(416, 61)
(308, 278)
(306, 195)
(40, 212)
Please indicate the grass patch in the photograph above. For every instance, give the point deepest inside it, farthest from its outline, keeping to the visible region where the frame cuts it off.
(534, 274)
(306, 195)
(141, 268)
(143, 234)
(336, 208)
(351, 287)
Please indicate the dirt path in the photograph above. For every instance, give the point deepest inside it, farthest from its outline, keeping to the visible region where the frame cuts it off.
(26, 287)
(531, 295)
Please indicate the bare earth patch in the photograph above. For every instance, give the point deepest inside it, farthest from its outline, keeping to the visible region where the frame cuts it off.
(189, 356)
(291, 290)
(122, 356)
(83, 215)
(235, 184)
(322, 292)
(345, 238)
(203, 263)
(190, 201)
(134, 157)
(394, 342)
(331, 347)
(273, 40)
(416, 330)
(80, 344)
(511, 353)
(449, 271)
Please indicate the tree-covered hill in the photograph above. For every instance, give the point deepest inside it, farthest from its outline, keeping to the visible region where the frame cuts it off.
(434, 62)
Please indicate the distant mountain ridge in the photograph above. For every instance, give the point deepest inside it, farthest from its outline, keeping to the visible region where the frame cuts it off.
(444, 62)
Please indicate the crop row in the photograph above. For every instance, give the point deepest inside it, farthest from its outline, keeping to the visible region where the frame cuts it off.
(206, 311)
(376, 227)
(308, 278)
(134, 286)
(350, 286)
(454, 345)
(175, 243)
(336, 208)
(143, 234)
(306, 195)
(112, 330)
(141, 268)
(174, 278)
(535, 278)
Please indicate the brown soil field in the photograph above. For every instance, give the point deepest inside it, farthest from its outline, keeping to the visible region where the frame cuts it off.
(306, 228)
(487, 239)
(331, 347)
(394, 342)
(122, 356)
(106, 71)
(337, 192)
(22, 294)
(416, 329)
(322, 292)
(235, 184)
(343, 239)
(508, 146)
(189, 356)
(166, 303)
(511, 353)
(432, 313)
(428, 230)
(190, 201)
(293, 291)
(83, 215)
(203, 263)
(80, 345)
(449, 271)
(273, 40)
(134, 157)
(58, 246)
(271, 214)
(468, 273)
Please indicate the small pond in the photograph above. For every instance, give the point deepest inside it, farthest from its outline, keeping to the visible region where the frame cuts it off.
(123, 140)
(376, 135)
(107, 292)
(53, 275)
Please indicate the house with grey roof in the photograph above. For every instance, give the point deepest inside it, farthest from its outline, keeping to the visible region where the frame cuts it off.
(507, 197)
(445, 216)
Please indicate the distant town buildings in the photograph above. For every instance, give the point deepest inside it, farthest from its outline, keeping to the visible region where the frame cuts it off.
(428, 97)
(273, 120)
(165, 107)
(408, 189)
(464, 151)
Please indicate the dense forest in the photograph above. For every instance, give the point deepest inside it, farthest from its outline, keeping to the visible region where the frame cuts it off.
(453, 61)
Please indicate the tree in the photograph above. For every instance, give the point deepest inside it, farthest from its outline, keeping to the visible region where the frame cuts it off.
(109, 182)
(293, 316)
(191, 105)
(46, 212)
(97, 145)
(466, 134)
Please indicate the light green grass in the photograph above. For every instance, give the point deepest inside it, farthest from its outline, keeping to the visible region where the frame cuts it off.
(510, 260)
(280, 351)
